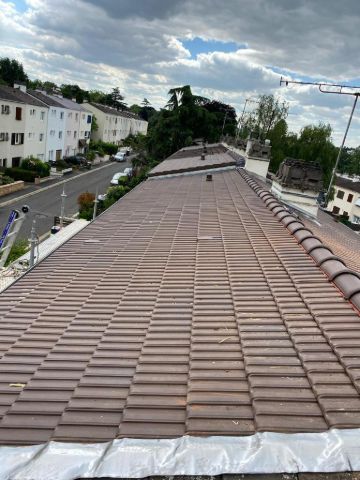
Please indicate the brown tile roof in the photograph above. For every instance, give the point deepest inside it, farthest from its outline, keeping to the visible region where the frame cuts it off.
(347, 183)
(16, 95)
(343, 241)
(189, 162)
(186, 308)
(45, 98)
(114, 111)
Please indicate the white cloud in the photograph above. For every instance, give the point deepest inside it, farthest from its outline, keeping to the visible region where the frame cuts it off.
(136, 45)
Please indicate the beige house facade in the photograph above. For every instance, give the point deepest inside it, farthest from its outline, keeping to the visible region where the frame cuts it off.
(115, 125)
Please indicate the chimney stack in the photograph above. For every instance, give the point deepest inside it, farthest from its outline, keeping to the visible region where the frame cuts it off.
(298, 183)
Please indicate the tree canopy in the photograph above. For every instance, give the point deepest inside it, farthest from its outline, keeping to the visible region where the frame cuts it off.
(11, 71)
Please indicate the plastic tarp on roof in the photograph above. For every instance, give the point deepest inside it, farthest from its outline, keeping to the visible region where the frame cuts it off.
(331, 451)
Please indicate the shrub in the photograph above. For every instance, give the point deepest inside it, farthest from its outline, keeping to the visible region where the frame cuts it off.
(35, 165)
(86, 205)
(107, 148)
(17, 250)
(123, 181)
(90, 155)
(5, 180)
(21, 174)
(60, 164)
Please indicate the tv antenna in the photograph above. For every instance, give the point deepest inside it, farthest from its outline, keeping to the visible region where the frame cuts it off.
(335, 89)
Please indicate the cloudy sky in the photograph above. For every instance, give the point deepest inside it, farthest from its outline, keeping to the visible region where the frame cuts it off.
(225, 49)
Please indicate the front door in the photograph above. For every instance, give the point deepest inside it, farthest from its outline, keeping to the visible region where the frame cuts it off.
(58, 154)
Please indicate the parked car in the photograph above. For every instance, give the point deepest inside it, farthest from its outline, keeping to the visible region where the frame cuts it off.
(115, 179)
(76, 159)
(120, 157)
(128, 171)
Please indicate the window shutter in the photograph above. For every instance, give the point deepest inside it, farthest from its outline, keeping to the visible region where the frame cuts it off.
(22, 138)
(13, 139)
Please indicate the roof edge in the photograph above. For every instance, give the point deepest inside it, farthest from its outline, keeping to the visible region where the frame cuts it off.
(262, 453)
(345, 279)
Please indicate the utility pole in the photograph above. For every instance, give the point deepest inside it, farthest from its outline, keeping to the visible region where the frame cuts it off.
(240, 122)
(340, 90)
(62, 211)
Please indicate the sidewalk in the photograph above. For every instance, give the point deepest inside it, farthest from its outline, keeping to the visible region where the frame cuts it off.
(31, 187)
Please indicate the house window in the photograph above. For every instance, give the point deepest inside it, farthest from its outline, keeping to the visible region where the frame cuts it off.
(53, 112)
(41, 137)
(340, 194)
(17, 138)
(61, 115)
(51, 154)
(18, 113)
(15, 161)
(87, 134)
(336, 210)
(89, 119)
(42, 115)
(356, 219)
(350, 197)
(76, 116)
(4, 136)
(32, 112)
(3, 163)
(75, 134)
(52, 133)
(5, 109)
(60, 134)
(70, 115)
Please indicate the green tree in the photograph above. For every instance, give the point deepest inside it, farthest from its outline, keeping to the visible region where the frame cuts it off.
(94, 124)
(269, 111)
(11, 71)
(74, 92)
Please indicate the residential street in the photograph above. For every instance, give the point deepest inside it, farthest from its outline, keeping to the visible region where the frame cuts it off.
(49, 201)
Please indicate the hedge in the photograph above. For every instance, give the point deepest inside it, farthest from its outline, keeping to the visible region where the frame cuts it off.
(21, 174)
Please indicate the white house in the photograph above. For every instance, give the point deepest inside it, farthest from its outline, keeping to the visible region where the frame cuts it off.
(55, 133)
(347, 198)
(77, 126)
(115, 125)
(23, 121)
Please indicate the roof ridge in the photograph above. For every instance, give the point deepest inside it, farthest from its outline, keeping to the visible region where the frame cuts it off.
(345, 279)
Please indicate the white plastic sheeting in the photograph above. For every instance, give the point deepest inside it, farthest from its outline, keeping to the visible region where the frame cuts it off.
(332, 451)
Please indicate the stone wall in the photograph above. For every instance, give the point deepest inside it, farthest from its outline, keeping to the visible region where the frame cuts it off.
(11, 187)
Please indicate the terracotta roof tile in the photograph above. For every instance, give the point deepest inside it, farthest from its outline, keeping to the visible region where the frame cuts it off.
(197, 312)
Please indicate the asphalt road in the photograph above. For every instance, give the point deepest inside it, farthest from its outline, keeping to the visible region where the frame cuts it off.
(49, 201)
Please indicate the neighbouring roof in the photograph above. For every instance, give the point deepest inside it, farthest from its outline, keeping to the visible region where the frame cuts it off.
(67, 103)
(43, 97)
(190, 160)
(16, 95)
(343, 241)
(342, 182)
(114, 111)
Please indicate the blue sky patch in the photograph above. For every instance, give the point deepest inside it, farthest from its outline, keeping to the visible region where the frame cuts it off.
(198, 45)
(20, 5)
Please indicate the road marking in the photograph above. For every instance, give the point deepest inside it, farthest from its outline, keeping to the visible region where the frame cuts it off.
(17, 199)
